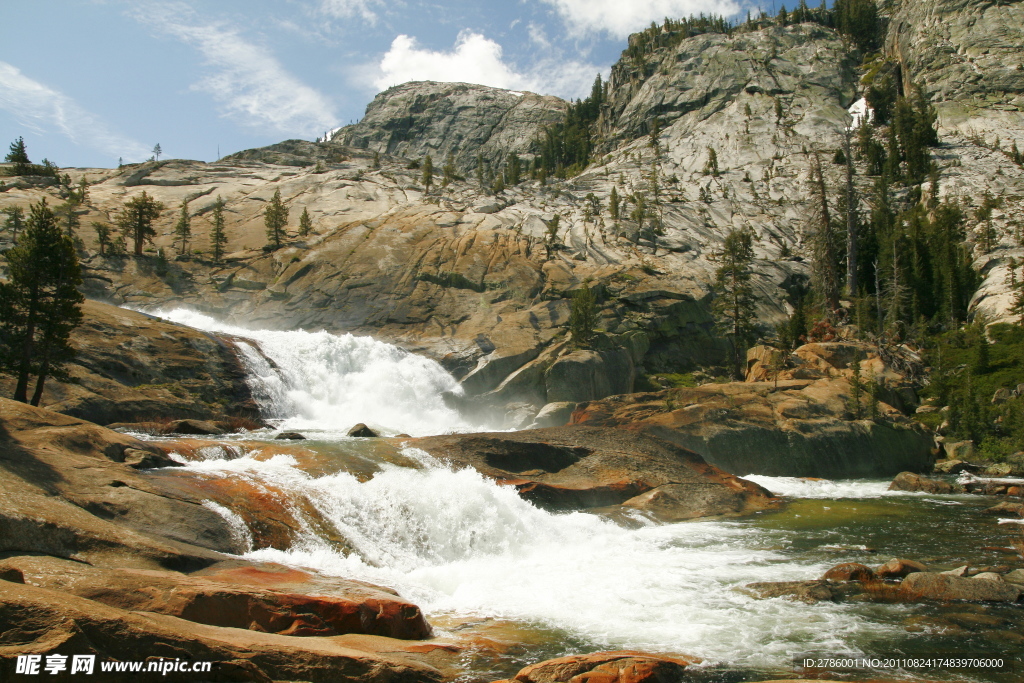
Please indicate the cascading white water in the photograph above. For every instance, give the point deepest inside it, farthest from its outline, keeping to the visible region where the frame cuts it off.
(323, 381)
(457, 543)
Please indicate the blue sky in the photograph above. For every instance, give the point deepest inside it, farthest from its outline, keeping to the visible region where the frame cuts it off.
(89, 81)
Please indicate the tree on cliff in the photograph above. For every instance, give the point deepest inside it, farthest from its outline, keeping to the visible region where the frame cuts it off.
(582, 316)
(275, 217)
(428, 173)
(305, 223)
(734, 297)
(183, 228)
(824, 241)
(40, 304)
(136, 220)
(218, 239)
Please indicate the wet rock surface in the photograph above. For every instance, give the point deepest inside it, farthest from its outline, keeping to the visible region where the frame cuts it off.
(566, 468)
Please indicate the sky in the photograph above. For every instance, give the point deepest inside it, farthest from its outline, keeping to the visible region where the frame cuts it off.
(90, 82)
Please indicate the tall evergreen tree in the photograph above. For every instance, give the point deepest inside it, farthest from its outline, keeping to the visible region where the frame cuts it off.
(136, 220)
(824, 241)
(305, 223)
(183, 228)
(19, 157)
(582, 316)
(15, 220)
(613, 204)
(734, 297)
(852, 220)
(275, 218)
(102, 235)
(40, 304)
(218, 238)
(428, 173)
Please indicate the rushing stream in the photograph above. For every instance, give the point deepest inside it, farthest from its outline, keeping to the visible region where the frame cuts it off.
(461, 546)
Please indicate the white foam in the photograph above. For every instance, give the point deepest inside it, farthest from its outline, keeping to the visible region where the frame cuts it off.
(798, 487)
(455, 542)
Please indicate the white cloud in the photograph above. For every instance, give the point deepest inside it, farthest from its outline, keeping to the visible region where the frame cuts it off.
(477, 59)
(619, 18)
(44, 110)
(248, 82)
(346, 9)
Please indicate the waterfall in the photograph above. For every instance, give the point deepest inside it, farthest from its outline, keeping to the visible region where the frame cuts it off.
(329, 382)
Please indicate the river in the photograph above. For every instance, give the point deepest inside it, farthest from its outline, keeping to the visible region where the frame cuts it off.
(467, 550)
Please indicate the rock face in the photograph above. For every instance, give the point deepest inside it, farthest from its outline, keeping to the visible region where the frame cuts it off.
(132, 367)
(464, 120)
(480, 284)
(799, 428)
(569, 468)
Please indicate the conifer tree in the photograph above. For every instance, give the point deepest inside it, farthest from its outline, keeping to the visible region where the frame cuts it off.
(582, 316)
(428, 173)
(305, 223)
(448, 171)
(711, 167)
(734, 297)
(218, 238)
(852, 222)
(183, 228)
(824, 241)
(613, 204)
(275, 217)
(102, 235)
(19, 157)
(136, 220)
(39, 304)
(15, 221)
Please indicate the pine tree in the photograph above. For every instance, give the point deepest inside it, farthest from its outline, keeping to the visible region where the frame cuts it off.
(448, 171)
(305, 223)
(852, 222)
(157, 151)
(275, 218)
(613, 204)
(39, 304)
(19, 157)
(428, 173)
(218, 238)
(15, 221)
(102, 235)
(824, 241)
(183, 228)
(136, 220)
(582, 316)
(69, 217)
(711, 167)
(856, 390)
(734, 297)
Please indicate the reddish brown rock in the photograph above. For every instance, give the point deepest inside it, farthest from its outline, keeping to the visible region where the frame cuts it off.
(898, 568)
(40, 620)
(265, 598)
(849, 571)
(624, 666)
(567, 468)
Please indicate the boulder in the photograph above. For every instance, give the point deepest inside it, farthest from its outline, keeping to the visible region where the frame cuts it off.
(197, 427)
(295, 436)
(570, 468)
(801, 591)
(961, 571)
(1006, 509)
(932, 586)
(586, 375)
(147, 460)
(623, 666)
(959, 450)
(955, 467)
(987, 576)
(849, 571)
(555, 414)
(898, 568)
(1016, 577)
(362, 431)
(908, 481)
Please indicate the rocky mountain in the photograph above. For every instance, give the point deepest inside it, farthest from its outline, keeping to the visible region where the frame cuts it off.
(482, 281)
